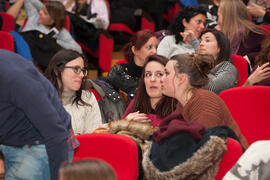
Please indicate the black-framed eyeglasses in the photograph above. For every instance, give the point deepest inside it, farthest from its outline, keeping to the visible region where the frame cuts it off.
(78, 70)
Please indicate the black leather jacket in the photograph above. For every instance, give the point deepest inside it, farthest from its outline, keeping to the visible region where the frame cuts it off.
(125, 77)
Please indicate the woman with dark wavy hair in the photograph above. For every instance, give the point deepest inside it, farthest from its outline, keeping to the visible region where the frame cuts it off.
(67, 72)
(149, 104)
(186, 29)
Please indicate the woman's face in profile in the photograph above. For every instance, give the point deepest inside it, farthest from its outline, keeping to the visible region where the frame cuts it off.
(154, 71)
(44, 17)
(209, 45)
(168, 81)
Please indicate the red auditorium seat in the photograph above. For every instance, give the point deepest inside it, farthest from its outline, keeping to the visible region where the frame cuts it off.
(242, 67)
(234, 151)
(250, 107)
(119, 151)
(7, 41)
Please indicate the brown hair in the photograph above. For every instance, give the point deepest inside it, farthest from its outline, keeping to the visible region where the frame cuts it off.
(165, 106)
(87, 169)
(56, 67)
(264, 54)
(196, 66)
(58, 13)
(137, 40)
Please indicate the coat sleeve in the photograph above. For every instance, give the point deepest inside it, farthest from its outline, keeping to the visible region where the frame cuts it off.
(32, 7)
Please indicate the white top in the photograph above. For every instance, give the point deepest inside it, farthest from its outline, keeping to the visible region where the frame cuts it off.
(84, 119)
(97, 6)
(168, 48)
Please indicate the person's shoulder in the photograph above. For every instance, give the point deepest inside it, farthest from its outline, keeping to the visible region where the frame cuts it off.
(118, 67)
(254, 35)
(208, 98)
(168, 38)
(206, 95)
(225, 65)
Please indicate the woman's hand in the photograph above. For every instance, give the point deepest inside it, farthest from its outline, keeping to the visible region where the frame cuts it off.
(256, 10)
(137, 116)
(188, 35)
(261, 73)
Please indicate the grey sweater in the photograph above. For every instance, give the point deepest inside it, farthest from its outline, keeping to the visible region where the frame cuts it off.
(222, 76)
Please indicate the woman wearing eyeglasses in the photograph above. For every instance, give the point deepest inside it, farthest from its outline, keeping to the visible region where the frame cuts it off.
(67, 72)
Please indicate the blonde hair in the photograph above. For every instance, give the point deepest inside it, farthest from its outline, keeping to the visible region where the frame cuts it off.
(236, 19)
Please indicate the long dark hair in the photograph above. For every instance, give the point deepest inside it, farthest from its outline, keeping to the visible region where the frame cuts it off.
(165, 105)
(177, 25)
(56, 67)
(223, 44)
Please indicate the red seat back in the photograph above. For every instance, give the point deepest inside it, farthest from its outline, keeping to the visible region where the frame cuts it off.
(7, 41)
(234, 151)
(120, 27)
(8, 22)
(119, 151)
(105, 50)
(250, 107)
(147, 23)
(265, 29)
(242, 67)
(121, 61)
(67, 24)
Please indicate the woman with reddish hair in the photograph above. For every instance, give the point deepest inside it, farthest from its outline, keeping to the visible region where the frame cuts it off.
(125, 77)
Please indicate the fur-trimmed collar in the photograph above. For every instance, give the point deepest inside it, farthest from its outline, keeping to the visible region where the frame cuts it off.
(203, 165)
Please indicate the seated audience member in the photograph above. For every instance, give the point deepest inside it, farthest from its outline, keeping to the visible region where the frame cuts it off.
(36, 134)
(86, 169)
(224, 74)
(87, 20)
(245, 37)
(149, 104)
(186, 74)
(261, 70)
(67, 72)
(45, 30)
(261, 14)
(253, 164)
(94, 11)
(186, 29)
(125, 77)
